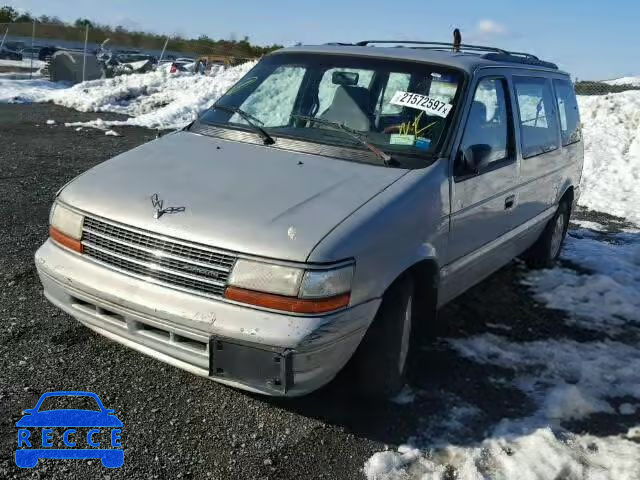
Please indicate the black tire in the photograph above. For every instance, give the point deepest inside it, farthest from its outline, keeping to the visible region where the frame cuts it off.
(380, 362)
(545, 251)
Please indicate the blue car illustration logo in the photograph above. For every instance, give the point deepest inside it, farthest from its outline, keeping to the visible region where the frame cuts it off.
(86, 433)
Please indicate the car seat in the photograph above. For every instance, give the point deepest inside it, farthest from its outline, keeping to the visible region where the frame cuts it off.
(350, 107)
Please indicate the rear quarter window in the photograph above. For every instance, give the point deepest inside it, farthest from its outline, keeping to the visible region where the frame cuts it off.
(568, 112)
(537, 115)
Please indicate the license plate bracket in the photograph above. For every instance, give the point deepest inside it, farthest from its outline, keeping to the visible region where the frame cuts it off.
(246, 362)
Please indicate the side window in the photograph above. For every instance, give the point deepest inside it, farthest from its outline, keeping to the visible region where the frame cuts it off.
(538, 124)
(569, 113)
(488, 125)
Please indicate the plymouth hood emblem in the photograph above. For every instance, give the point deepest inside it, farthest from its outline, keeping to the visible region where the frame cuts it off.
(158, 204)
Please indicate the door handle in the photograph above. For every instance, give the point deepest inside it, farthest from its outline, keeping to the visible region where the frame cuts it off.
(509, 202)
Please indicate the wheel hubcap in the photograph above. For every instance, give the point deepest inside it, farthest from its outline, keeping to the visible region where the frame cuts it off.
(556, 237)
(406, 335)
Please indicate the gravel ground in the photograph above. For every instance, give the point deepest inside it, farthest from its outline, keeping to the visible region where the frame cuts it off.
(177, 425)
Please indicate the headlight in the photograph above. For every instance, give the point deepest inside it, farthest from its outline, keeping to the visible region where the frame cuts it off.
(326, 283)
(288, 288)
(66, 221)
(66, 227)
(265, 277)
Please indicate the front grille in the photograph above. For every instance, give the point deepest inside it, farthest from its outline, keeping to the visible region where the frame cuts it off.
(157, 259)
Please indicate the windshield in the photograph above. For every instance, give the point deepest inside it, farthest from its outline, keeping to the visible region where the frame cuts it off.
(401, 107)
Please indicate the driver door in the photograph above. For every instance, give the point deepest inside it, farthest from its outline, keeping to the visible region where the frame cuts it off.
(483, 196)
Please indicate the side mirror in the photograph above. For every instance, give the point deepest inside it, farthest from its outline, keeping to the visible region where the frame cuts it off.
(475, 158)
(109, 411)
(29, 411)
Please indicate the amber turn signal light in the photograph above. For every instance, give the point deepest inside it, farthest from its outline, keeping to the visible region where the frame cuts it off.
(287, 304)
(62, 239)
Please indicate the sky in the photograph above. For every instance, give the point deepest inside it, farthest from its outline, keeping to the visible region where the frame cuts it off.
(590, 39)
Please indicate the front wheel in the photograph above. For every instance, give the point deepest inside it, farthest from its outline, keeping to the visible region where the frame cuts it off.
(380, 363)
(546, 250)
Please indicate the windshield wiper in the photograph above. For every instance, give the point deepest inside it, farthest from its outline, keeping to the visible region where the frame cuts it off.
(251, 120)
(385, 157)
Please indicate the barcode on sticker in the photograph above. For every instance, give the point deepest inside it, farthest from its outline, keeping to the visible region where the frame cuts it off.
(430, 105)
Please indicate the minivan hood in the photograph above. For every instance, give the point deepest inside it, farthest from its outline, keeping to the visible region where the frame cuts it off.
(241, 197)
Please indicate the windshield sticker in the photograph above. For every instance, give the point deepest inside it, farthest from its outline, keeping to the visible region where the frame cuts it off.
(429, 105)
(413, 128)
(423, 143)
(399, 139)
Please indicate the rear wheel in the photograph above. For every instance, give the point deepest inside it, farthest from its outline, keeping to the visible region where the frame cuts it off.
(380, 363)
(546, 250)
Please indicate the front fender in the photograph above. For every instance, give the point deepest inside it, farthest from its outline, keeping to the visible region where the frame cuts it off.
(405, 224)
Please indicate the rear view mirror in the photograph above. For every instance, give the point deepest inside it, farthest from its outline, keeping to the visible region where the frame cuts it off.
(345, 78)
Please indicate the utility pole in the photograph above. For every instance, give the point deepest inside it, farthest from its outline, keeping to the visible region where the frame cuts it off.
(33, 35)
(163, 49)
(84, 57)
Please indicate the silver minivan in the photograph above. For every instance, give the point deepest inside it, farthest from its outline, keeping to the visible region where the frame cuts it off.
(319, 213)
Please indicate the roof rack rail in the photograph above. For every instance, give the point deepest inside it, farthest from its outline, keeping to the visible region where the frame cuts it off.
(364, 43)
(491, 53)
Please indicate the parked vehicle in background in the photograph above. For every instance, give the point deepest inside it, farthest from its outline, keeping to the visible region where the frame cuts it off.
(31, 52)
(123, 62)
(47, 52)
(320, 212)
(177, 66)
(136, 57)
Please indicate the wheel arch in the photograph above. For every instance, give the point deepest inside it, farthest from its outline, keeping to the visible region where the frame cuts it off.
(568, 195)
(425, 274)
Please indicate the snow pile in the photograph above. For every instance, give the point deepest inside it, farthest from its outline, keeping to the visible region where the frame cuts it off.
(539, 455)
(611, 177)
(565, 380)
(634, 81)
(26, 91)
(154, 100)
(605, 299)
(24, 63)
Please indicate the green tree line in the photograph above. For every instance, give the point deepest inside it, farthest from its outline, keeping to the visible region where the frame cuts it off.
(55, 29)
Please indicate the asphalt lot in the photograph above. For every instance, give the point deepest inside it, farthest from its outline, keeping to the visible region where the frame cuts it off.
(177, 425)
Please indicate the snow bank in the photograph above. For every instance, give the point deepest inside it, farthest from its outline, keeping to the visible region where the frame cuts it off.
(27, 91)
(539, 455)
(24, 63)
(611, 177)
(565, 379)
(635, 81)
(154, 100)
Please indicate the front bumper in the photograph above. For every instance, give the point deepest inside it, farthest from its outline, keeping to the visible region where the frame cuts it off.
(260, 351)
